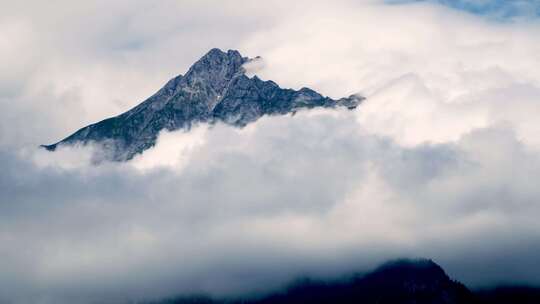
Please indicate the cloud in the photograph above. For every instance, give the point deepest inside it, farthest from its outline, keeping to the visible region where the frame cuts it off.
(430, 74)
(440, 161)
(500, 10)
(173, 149)
(251, 204)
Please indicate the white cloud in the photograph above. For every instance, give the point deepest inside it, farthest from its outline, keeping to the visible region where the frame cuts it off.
(252, 203)
(430, 74)
(172, 149)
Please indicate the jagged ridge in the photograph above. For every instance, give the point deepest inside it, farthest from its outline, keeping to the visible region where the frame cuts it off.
(214, 89)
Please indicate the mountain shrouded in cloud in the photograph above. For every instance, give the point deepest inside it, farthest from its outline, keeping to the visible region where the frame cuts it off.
(441, 160)
(214, 89)
(397, 282)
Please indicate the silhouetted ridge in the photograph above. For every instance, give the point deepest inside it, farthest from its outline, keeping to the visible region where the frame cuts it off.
(509, 294)
(398, 282)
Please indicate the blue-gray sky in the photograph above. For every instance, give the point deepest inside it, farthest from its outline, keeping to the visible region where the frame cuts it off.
(501, 10)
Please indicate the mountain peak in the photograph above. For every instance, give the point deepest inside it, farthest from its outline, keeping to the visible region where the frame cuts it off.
(218, 57)
(215, 88)
(216, 68)
(217, 52)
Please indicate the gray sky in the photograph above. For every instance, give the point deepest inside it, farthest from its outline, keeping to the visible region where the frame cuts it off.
(440, 162)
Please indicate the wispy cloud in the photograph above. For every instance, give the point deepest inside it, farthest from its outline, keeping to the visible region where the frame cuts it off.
(502, 10)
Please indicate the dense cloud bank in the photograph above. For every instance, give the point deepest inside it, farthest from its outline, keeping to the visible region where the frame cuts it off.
(441, 161)
(244, 209)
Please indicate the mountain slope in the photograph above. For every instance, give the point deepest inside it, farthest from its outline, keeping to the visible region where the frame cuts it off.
(398, 282)
(214, 89)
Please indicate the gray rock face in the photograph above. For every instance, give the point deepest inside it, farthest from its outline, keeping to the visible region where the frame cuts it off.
(214, 89)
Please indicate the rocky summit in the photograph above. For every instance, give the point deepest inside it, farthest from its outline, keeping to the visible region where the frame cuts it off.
(215, 88)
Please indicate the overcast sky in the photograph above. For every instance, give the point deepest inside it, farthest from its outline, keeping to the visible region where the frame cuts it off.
(441, 161)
